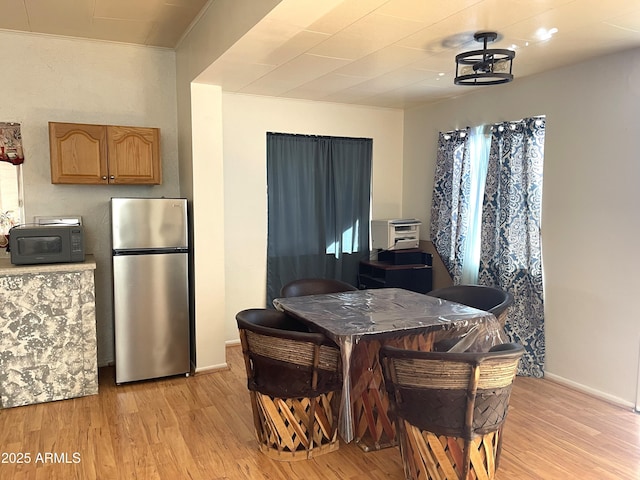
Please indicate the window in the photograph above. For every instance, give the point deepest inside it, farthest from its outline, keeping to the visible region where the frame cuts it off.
(479, 144)
(11, 158)
(10, 200)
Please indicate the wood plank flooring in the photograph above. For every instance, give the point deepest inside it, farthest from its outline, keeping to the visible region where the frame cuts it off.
(201, 428)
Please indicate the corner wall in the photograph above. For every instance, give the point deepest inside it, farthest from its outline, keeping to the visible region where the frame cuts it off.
(590, 223)
(246, 121)
(208, 243)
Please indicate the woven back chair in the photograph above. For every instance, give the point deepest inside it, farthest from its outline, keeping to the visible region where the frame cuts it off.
(314, 286)
(449, 409)
(482, 297)
(294, 379)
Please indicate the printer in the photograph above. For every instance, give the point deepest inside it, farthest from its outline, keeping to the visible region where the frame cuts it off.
(395, 234)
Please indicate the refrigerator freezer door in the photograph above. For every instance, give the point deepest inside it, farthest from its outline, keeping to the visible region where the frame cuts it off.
(151, 310)
(147, 223)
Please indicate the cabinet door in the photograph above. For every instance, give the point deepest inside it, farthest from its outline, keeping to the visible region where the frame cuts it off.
(134, 155)
(78, 153)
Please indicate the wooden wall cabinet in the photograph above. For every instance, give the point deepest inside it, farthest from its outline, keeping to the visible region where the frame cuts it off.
(104, 154)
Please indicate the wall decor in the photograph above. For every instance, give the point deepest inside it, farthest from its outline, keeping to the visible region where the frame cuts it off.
(11, 143)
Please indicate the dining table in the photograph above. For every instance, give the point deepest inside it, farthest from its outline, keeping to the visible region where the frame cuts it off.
(360, 322)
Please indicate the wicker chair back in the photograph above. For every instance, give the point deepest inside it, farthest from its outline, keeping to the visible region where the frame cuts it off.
(314, 286)
(461, 399)
(482, 297)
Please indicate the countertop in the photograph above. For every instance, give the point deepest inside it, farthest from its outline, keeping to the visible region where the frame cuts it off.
(7, 268)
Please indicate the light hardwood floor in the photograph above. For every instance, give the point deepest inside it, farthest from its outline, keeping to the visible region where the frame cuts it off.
(201, 428)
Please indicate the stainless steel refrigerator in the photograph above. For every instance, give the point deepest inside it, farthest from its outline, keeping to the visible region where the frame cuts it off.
(150, 287)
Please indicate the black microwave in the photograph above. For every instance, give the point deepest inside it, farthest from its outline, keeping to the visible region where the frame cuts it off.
(33, 244)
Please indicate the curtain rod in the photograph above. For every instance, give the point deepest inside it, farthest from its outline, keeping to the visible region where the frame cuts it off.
(303, 135)
(463, 131)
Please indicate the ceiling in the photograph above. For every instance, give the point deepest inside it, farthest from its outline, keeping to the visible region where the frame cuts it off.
(388, 53)
(145, 22)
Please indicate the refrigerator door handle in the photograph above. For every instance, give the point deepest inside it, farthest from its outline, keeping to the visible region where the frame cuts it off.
(150, 251)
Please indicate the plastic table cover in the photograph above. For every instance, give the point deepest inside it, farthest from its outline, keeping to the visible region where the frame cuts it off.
(348, 317)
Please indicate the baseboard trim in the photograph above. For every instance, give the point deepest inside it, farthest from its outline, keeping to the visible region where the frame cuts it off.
(222, 366)
(213, 368)
(588, 390)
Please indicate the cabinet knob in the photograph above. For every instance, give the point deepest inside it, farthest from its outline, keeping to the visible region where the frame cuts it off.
(104, 177)
(112, 177)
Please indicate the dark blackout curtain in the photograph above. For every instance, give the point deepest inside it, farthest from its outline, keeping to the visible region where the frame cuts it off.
(319, 191)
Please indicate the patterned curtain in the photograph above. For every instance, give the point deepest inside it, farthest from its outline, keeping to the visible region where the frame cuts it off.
(511, 255)
(450, 205)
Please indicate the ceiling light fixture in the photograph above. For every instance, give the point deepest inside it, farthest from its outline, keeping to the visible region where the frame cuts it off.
(489, 66)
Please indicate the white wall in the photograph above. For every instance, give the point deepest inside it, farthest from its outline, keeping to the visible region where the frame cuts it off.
(221, 24)
(208, 192)
(590, 223)
(246, 121)
(71, 80)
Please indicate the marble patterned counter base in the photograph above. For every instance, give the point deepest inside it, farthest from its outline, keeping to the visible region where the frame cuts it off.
(47, 333)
